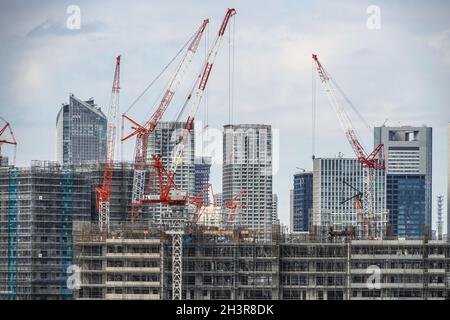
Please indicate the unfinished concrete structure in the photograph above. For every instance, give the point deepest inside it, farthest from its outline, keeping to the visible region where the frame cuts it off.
(126, 265)
(230, 264)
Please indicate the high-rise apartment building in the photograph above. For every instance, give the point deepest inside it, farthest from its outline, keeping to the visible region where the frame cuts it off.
(408, 154)
(247, 166)
(162, 142)
(80, 132)
(38, 206)
(301, 201)
(202, 168)
(334, 181)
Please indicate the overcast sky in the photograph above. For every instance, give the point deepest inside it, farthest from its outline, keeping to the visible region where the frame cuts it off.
(399, 72)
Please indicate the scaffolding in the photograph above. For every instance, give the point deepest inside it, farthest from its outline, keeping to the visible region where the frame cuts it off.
(66, 230)
(12, 235)
(220, 264)
(37, 207)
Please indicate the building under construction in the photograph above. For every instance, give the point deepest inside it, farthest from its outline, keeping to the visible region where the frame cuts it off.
(38, 206)
(229, 264)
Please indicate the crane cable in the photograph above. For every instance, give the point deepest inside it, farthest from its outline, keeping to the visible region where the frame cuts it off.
(159, 74)
(313, 110)
(231, 63)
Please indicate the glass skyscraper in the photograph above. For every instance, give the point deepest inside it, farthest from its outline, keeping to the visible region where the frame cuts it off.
(336, 182)
(80, 132)
(302, 201)
(408, 154)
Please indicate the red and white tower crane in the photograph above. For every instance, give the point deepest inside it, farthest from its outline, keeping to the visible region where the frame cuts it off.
(178, 153)
(370, 161)
(3, 140)
(168, 193)
(104, 192)
(142, 132)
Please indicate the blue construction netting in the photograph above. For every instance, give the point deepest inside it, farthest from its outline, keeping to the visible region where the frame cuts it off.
(12, 235)
(66, 231)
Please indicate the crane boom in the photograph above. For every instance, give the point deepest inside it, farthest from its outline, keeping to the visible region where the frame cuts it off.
(178, 152)
(142, 132)
(168, 185)
(104, 192)
(370, 162)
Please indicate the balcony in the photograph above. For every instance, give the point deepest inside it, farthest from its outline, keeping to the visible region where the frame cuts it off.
(114, 296)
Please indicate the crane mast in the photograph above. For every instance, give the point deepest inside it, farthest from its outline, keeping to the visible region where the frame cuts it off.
(370, 162)
(104, 192)
(142, 132)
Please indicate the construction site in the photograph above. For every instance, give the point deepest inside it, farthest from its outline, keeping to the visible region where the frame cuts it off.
(136, 230)
(138, 264)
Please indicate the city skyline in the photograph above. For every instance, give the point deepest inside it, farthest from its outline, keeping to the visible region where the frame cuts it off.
(37, 61)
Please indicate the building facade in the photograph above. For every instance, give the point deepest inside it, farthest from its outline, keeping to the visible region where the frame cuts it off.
(334, 181)
(202, 168)
(236, 269)
(301, 201)
(80, 132)
(408, 153)
(38, 206)
(126, 266)
(275, 219)
(247, 166)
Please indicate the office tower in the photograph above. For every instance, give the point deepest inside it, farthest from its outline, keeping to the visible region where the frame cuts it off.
(275, 219)
(38, 206)
(80, 132)
(162, 142)
(408, 153)
(301, 201)
(247, 166)
(202, 167)
(335, 180)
